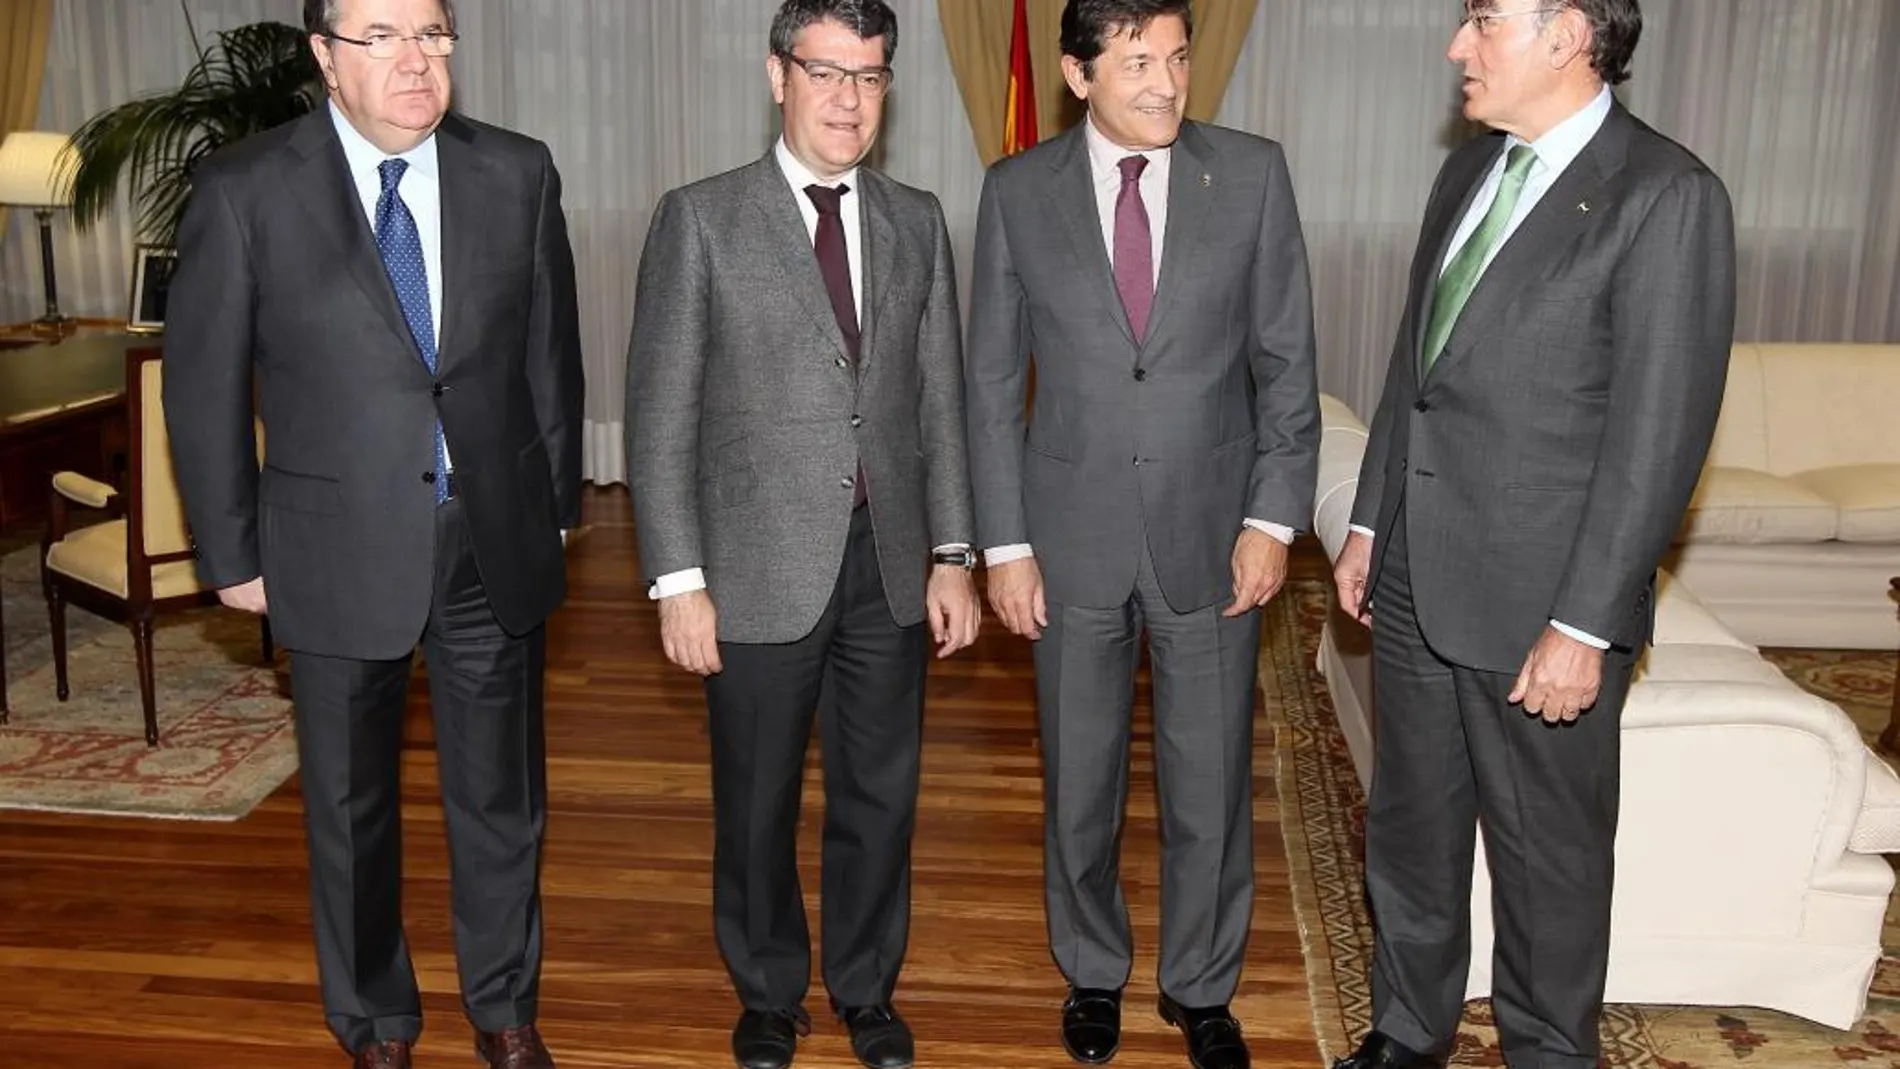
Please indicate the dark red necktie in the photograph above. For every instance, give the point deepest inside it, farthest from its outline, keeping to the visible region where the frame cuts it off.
(835, 265)
(1134, 248)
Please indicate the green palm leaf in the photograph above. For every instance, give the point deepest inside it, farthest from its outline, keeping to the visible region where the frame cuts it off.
(254, 78)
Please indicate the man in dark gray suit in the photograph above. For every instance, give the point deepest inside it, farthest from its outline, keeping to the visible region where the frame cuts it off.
(1155, 272)
(1549, 403)
(795, 443)
(396, 285)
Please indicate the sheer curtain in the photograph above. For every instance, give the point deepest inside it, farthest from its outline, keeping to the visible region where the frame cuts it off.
(1792, 102)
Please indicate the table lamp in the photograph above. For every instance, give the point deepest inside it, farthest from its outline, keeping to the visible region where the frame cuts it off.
(36, 171)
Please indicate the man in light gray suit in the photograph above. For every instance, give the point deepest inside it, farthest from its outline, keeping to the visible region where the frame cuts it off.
(796, 447)
(1155, 272)
(1549, 404)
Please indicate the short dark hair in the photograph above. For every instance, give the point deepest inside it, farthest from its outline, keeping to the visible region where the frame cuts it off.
(866, 18)
(319, 16)
(1615, 27)
(1088, 24)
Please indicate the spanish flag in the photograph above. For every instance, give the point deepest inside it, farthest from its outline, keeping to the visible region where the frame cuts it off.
(1019, 121)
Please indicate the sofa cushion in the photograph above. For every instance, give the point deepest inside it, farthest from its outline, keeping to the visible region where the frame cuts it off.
(1685, 663)
(1866, 496)
(1742, 505)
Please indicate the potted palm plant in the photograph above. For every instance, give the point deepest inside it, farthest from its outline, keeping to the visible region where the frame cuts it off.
(253, 78)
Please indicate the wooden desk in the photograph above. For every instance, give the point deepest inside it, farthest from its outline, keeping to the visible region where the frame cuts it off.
(62, 408)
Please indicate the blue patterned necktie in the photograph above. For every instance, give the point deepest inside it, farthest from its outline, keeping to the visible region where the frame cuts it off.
(401, 246)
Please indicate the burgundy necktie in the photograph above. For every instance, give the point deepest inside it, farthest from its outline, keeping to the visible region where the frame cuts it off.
(835, 265)
(1134, 249)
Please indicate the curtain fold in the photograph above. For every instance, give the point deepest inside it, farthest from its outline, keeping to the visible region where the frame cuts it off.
(25, 26)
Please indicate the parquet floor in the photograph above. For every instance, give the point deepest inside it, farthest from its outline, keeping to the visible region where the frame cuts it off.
(139, 944)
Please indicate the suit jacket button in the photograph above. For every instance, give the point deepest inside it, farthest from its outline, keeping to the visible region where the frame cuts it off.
(1141, 374)
(857, 421)
(438, 390)
(428, 477)
(1420, 406)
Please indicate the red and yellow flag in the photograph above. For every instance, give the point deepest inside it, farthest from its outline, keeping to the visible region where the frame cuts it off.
(1019, 121)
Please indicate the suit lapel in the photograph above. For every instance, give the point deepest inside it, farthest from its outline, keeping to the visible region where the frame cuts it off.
(784, 229)
(1190, 193)
(1544, 234)
(1072, 199)
(324, 190)
(466, 182)
(877, 238)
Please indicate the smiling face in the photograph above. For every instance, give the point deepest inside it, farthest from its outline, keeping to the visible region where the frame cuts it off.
(828, 128)
(395, 103)
(1137, 89)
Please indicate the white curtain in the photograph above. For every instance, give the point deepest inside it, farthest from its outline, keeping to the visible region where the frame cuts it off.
(1793, 102)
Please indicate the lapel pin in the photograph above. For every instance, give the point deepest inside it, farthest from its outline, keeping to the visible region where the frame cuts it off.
(1583, 206)
(1207, 181)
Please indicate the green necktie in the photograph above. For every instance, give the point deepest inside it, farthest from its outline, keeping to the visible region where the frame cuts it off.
(1461, 276)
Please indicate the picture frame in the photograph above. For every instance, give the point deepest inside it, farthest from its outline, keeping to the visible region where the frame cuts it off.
(152, 267)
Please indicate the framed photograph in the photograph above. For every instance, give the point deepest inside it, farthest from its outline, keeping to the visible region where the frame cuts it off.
(152, 267)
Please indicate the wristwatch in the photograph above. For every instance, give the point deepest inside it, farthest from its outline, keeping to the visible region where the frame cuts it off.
(961, 558)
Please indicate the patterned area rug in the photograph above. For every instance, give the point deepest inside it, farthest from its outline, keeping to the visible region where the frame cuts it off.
(225, 736)
(1322, 812)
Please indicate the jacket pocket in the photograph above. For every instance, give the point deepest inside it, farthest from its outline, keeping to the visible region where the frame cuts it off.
(298, 492)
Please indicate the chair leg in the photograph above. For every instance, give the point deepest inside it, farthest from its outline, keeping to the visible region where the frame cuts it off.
(56, 611)
(142, 639)
(264, 639)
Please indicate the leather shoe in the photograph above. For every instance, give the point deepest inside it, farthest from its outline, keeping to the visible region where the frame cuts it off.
(513, 1048)
(1380, 1051)
(384, 1054)
(1213, 1036)
(767, 1039)
(879, 1037)
(1092, 1024)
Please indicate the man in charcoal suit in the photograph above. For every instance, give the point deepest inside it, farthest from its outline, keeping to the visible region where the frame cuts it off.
(1549, 403)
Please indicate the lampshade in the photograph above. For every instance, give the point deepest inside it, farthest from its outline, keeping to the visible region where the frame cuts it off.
(36, 169)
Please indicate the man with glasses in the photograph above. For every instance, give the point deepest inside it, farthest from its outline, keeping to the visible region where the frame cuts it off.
(795, 445)
(396, 285)
(1548, 406)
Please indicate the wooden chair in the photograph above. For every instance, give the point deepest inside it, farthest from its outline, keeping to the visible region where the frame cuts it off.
(98, 567)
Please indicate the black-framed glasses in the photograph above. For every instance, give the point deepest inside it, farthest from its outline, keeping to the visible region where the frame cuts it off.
(1483, 20)
(827, 77)
(434, 43)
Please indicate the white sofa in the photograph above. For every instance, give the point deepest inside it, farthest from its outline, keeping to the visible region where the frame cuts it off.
(1752, 816)
(1794, 531)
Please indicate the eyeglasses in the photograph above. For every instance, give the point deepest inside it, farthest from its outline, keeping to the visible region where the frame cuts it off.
(829, 77)
(1481, 21)
(434, 43)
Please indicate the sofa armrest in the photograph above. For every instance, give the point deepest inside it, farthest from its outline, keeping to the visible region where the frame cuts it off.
(1342, 445)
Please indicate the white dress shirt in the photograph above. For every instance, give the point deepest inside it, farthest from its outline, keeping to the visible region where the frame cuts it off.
(1555, 150)
(420, 189)
(1105, 158)
(798, 176)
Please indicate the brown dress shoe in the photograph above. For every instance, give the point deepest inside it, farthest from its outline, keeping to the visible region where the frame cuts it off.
(388, 1054)
(513, 1048)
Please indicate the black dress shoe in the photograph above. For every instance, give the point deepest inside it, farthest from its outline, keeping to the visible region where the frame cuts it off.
(1213, 1036)
(879, 1037)
(1092, 1024)
(767, 1039)
(1380, 1051)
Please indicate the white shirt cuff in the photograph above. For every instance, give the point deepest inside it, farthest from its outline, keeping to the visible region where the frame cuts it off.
(1581, 636)
(1278, 530)
(681, 582)
(1367, 531)
(996, 555)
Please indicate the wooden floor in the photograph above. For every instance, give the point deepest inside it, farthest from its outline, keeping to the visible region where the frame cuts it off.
(142, 943)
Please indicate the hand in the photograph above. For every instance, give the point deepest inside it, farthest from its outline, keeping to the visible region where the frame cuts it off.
(248, 597)
(951, 605)
(1259, 570)
(1016, 595)
(689, 632)
(1350, 573)
(1560, 678)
